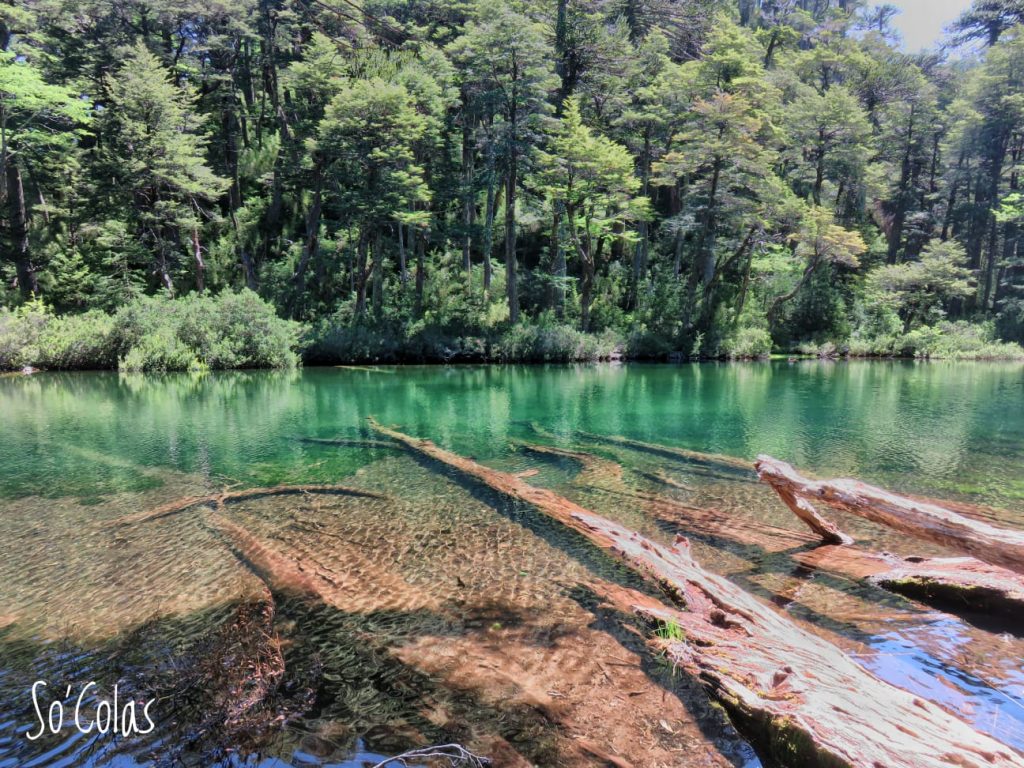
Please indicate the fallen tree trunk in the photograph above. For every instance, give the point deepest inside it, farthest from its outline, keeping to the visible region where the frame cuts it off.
(929, 522)
(227, 497)
(945, 582)
(684, 454)
(804, 701)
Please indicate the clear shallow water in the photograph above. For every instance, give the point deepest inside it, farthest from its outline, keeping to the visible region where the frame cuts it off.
(444, 613)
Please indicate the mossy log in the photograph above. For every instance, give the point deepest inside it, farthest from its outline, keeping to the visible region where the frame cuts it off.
(951, 583)
(923, 520)
(805, 702)
(226, 497)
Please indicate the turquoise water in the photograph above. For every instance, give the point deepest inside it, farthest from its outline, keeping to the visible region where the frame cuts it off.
(942, 429)
(80, 450)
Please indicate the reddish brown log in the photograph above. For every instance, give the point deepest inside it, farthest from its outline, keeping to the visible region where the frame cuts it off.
(798, 696)
(929, 522)
(945, 582)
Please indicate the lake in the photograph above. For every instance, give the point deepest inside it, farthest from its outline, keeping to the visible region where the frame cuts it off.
(411, 606)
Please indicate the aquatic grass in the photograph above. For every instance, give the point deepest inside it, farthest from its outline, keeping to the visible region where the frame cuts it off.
(670, 631)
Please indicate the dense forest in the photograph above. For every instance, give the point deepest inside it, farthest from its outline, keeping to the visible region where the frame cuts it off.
(505, 179)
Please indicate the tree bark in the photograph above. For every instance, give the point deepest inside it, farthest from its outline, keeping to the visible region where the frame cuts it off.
(18, 216)
(956, 584)
(312, 242)
(421, 269)
(468, 207)
(511, 265)
(361, 271)
(488, 246)
(804, 701)
(921, 519)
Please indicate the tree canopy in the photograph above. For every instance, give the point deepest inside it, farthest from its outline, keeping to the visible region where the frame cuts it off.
(683, 174)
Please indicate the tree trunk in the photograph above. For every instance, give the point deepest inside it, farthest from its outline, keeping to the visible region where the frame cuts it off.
(511, 266)
(557, 296)
(197, 255)
(900, 214)
(378, 275)
(18, 216)
(468, 207)
(403, 266)
(312, 243)
(586, 291)
(488, 245)
(802, 699)
(640, 253)
(421, 268)
(921, 519)
(361, 272)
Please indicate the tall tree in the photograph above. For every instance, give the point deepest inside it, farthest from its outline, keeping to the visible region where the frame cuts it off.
(507, 58)
(155, 153)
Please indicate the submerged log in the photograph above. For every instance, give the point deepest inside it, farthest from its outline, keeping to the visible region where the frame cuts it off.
(945, 582)
(684, 454)
(804, 701)
(929, 522)
(227, 497)
(594, 470)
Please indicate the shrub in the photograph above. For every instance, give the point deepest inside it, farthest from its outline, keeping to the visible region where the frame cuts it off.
(944, 341)
(159, 352)
(555, 344)
(231, 330)
(747, 343)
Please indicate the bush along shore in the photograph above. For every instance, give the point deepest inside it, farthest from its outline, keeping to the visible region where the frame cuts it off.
(241, 330)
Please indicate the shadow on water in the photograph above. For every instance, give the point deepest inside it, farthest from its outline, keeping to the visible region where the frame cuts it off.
(289, 680)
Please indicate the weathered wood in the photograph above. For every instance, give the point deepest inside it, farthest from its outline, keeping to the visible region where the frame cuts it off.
(669, 451)
(227, 497)
(929, 522)
(944, 582)
(798, 696)
(803, 509)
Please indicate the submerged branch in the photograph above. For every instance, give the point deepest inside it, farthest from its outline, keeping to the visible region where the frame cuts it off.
(455, 755)
(802, 699)
(228, 497)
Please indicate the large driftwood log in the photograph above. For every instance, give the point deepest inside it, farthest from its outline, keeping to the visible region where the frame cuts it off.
(929, 522)
(951, 583)
(797, 695)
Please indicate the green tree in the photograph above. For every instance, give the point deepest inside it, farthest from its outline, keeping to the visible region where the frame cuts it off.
(366, 141)
(593, 178)
(506, 57)
(37, 121)
(156, 156)
(918, 290)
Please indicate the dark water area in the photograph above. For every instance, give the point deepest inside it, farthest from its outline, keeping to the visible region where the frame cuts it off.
(340, 628)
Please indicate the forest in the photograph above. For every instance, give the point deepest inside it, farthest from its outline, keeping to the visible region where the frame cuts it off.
(228, 183)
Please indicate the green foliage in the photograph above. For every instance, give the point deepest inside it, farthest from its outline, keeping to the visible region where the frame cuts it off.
(555, 344)
(232, 330)
(747, 343)
(469, 179)
(944, 341)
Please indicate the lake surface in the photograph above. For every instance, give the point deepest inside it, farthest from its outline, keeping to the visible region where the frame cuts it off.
(414, 607)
